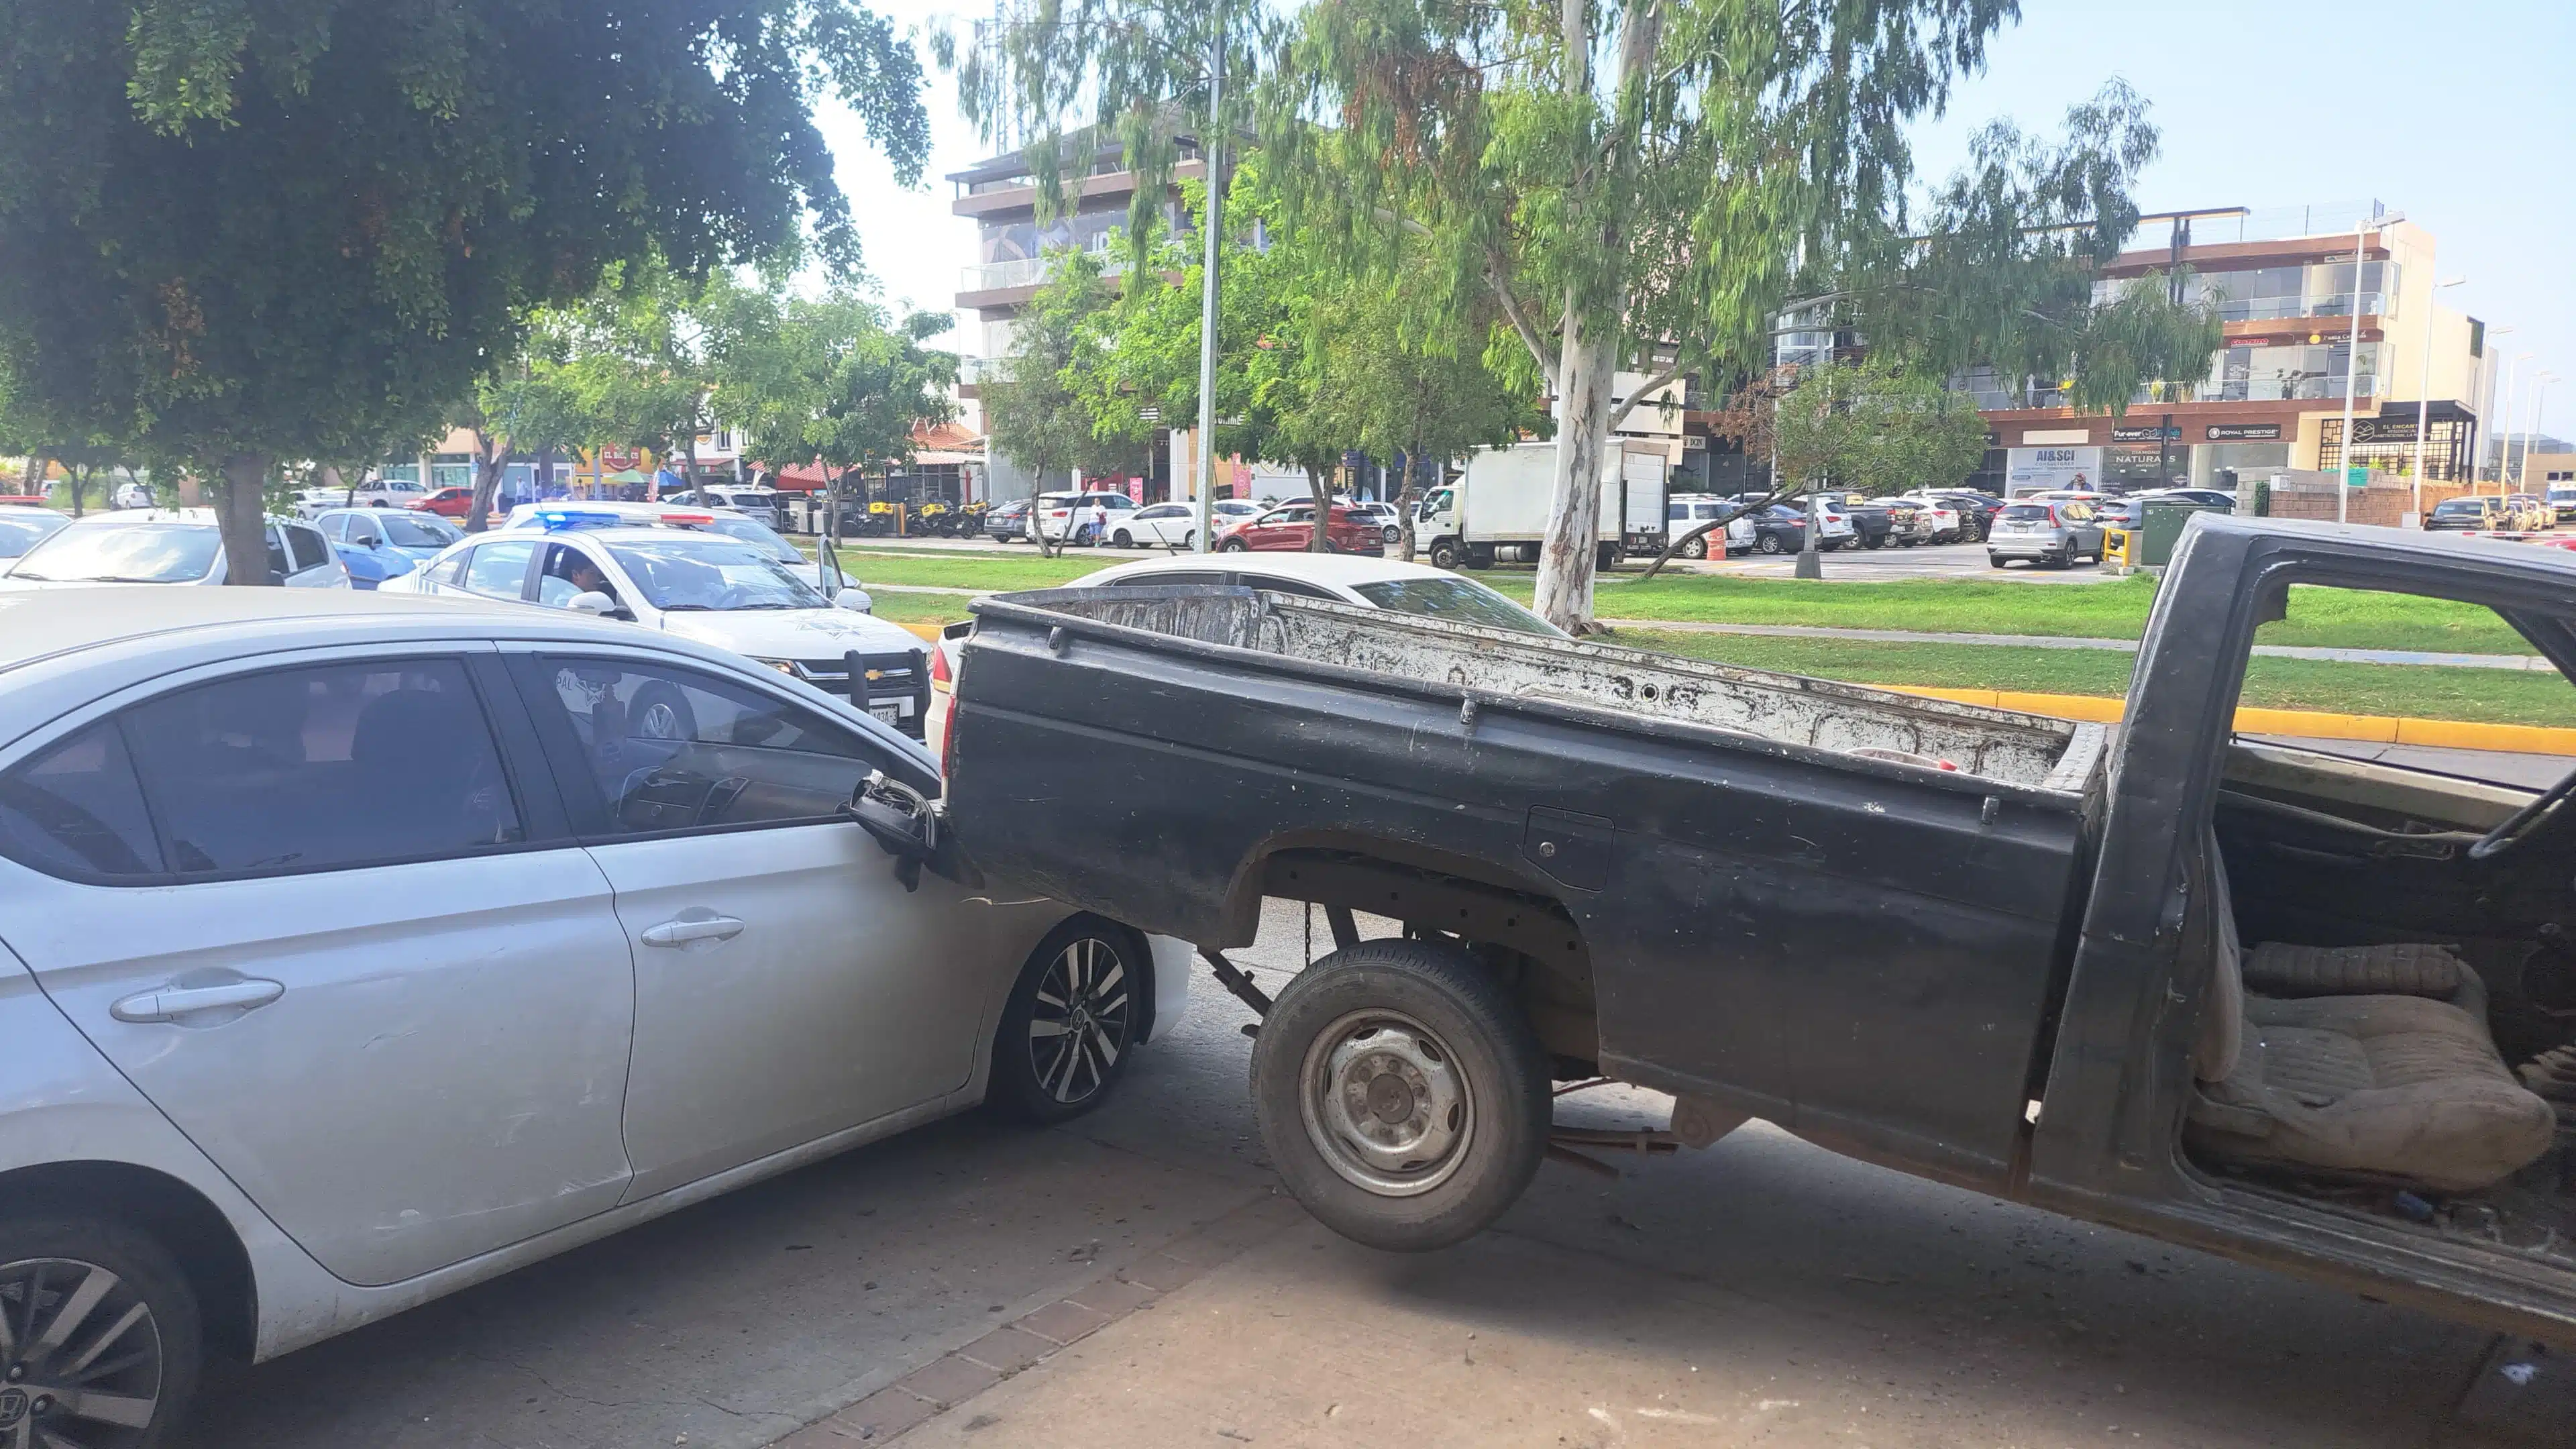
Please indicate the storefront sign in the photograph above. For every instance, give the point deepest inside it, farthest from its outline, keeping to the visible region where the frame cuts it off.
(2050, 437)
(2243, 432)
(2145, 435)
(2383, 430)
(2031, 470)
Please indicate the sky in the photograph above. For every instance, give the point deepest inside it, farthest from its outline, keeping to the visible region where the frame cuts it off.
(2461, 115)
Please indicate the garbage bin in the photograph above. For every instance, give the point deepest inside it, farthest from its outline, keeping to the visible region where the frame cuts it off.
(2163, 526)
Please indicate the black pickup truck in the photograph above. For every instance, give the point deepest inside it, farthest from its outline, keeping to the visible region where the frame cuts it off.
(2306, 1010)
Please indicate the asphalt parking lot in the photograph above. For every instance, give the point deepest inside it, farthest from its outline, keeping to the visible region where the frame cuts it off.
(1762, 1292)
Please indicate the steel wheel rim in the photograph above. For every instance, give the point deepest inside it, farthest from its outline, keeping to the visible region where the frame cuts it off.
(1385, 1104)
(1078, 1028)
(83, 1354)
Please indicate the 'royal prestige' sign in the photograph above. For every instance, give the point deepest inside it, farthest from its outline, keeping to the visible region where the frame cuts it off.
(2243, 432)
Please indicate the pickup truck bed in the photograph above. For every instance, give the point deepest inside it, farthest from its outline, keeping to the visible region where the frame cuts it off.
(1701, 869)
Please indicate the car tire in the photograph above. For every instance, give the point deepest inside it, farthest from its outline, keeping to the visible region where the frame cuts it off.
(2064, 558)
(1401, 1094)
(659, 711)
(1124, 539)
(1444, 554)
(1073, 1020)
(1880, 541)
(1190, 541)
(1994, 560)
(1696, 548)
(1393, 535)
(1769, 543)
(1233, 545)
(158, 1354)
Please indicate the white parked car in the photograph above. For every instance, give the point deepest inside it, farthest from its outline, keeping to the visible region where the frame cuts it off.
(1947, 526)
(732, 523)
(1686, 511)
(1344, 578)
(1157, 525)
(22, 528)
(366, 948)
(374, 493)
(702, 586)
(168, 546)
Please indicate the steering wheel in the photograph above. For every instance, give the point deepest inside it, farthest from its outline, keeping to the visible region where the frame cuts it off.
(2515, 824)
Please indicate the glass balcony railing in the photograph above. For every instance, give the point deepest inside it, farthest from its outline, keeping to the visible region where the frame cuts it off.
(1026, 272)
(2264, 309)
(2268, 389)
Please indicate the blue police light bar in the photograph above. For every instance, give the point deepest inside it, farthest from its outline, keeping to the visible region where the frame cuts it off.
(557, 519)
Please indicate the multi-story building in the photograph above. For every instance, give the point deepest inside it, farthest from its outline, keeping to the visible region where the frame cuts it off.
(2287, 285)
(1016, 253)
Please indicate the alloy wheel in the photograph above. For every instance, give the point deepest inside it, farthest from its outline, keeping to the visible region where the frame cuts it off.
(83, 1355)
(1083, 1015)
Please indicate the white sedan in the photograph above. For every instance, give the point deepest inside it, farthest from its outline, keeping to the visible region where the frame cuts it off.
(169, 546)
(1158, 525)
(364, 948)
(1371, 583)
(706, 587)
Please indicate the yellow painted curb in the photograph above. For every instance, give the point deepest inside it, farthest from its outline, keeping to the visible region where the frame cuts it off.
(924, 631)
(2443, 734)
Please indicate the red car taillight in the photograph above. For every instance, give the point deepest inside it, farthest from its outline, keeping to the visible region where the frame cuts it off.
(940, 678)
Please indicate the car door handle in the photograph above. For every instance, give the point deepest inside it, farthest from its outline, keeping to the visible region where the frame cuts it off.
(172, 1002)
(685, 930)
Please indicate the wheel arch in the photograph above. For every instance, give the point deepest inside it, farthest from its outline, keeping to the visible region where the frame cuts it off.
(195, 1231)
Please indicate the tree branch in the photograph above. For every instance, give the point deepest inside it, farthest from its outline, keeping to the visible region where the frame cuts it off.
(1530, 339)
(1620, 413)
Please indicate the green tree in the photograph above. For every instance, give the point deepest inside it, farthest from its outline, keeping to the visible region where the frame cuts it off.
(1648, 185)
(253, 230)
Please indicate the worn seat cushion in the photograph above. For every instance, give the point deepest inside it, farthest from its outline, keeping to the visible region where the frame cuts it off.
(2409, 968)
(2389, 1087)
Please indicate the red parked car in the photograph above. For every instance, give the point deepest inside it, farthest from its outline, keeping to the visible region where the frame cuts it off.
(1290, 526)
(448, 503)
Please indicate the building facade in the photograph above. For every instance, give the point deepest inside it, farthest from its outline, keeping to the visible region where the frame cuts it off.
(1015, 254)
(2288, 286)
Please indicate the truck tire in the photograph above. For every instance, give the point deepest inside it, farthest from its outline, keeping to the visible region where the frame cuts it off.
(1444, 553)
(155, 1357)
(1401, 1094)
(1605, 558)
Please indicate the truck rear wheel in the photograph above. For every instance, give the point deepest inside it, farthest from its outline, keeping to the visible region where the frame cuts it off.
(1402, 1095)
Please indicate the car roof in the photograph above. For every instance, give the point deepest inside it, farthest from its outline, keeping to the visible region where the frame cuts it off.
(1332, 570)
(42, 623)
(128, 517)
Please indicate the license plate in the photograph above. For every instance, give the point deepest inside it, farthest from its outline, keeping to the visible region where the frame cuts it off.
(890, 713)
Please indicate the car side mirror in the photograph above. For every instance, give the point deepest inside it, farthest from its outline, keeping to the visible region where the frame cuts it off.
(594, 603)
(907, 826)
(854, 599)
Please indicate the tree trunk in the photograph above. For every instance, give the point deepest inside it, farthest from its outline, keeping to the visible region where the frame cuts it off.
(76, 480)
(331, 478)
(1319, 539)
(1406, 496)
(241, 514)
(1565, 561)
(491, 460)
(33, 484)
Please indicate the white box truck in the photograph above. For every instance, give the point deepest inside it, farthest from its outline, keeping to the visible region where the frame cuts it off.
(1497, 509)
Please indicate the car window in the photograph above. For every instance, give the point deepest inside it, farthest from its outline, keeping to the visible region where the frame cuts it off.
(2025, 513)
(306, 547)
(448, 570)
(759, 535)
(1164, 510)
(568, 574)
(358, 528)
(500, 570)
(322, 768)
(75, 810)
(1295, 588)
(419, 530)
(17, 535)
(277, 553)
(2075, 512)
(663, 748)
(687, 571)
(1461, 601)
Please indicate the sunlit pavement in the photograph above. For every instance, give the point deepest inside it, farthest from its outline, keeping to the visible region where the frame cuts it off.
(1761, 1292)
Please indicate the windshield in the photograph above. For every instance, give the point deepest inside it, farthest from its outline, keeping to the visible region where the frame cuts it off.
(418, 530)
(750, 531)
(1460, 601)
(2459, 505)
(2026, 513)
(17, 535)
(134, 553)
(687, 572)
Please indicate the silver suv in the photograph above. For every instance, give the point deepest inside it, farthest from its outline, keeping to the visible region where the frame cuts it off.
(2055, 533)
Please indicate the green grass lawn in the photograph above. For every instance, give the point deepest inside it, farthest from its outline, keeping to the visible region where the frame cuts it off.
(918, 608)
(2326, 618)
(2492, 696)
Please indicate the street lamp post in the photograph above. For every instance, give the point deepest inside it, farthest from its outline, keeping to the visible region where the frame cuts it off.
(2352, 357)
(2424, 403)
(1207, 294)
(2504, 422)
(2539, 389)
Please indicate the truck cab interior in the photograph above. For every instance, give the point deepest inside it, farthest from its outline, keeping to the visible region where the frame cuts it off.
(2391, 1028)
